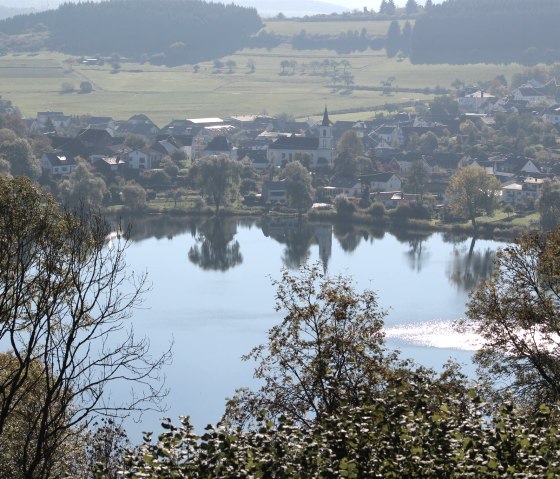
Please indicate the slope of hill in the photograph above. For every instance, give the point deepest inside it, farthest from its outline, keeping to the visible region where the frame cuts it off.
(292, 8)
(7, 12)
(178, 31)
(496, 31)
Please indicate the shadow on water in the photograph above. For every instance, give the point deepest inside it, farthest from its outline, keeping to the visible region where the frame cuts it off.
(468, 267)
(298, 235)
(416, 255)
(214, 248)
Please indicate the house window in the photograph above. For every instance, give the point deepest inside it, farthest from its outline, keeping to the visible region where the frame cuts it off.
(283, 156)
(290, 156)
(324, 132)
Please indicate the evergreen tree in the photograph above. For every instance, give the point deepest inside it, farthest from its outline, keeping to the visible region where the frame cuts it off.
(383, 7)
(393, 39)
(411, 7)
(406, 38)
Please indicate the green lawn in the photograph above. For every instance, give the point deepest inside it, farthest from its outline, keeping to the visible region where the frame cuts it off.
(293, 27)
(33, 83)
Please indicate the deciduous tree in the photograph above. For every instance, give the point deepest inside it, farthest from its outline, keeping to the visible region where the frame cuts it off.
(298, 186)
(349, 148)
(64, 299)
(517, 314)
(83, 186)
(549, 205)
(326, 351)
(218, 179)
(417, 177)
(20, 155)
(472, 192)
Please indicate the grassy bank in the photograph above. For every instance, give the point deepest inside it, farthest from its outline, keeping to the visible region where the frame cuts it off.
(500, 227)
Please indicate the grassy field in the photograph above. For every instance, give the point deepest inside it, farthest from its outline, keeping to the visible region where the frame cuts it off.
(33, 82)
(293, 27)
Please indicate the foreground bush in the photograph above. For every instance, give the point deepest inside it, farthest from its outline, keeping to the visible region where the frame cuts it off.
(394, 437)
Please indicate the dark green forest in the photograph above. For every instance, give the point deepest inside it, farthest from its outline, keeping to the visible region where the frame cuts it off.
(178, 31)
(490, 31)
(174, 32)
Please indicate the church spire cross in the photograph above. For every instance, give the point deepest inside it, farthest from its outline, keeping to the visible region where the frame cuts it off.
(326, 121)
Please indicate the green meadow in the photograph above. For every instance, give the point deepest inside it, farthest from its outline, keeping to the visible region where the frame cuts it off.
(33, 83)
(293, 27)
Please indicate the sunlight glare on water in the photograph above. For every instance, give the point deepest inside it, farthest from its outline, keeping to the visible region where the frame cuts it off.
(435, 334)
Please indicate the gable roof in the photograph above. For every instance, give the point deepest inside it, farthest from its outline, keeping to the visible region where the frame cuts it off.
(136, 128)
(219, 143)
(256, 156)
(295, 143)
(60, 159)
(343, 182)
(94, 135)
(377, 177)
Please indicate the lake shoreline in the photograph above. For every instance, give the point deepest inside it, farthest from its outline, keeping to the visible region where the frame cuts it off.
(499, 230)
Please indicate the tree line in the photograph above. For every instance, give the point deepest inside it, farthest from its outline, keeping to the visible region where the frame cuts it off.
(184, 31)
(497, 31)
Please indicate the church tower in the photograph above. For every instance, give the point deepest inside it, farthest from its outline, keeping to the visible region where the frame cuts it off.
(325, 133)
(325, 150)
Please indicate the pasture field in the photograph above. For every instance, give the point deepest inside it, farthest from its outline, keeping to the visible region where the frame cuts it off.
(33, 83)
(290, 28)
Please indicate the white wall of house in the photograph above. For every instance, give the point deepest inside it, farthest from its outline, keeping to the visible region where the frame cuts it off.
(139, 160)
(279, 158)
(393, 184)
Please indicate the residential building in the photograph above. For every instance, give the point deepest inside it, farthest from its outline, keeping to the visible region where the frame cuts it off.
(318, 151)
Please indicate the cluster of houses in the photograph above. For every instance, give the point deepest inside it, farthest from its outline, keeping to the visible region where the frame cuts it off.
(266, 142)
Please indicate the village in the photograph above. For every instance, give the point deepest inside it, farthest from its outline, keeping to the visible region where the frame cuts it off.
(348, 158)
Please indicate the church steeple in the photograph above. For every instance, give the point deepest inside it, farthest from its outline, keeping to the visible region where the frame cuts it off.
(326, 137)
(326, 121)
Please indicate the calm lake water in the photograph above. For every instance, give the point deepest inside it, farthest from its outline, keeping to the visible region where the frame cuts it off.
(212, 295)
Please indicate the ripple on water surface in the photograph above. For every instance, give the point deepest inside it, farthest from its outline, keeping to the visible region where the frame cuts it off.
(435, 334)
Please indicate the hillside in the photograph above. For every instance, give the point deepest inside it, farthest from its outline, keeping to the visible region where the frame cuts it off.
(178, 31)
(292, 8)
(493, 31)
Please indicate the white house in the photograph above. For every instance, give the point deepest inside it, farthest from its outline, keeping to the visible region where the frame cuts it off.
(552, 115)
(58, 119)
(531, 95)
(521, 193)
(57, 164)
(319, 150)
(382, 182)
(391, 135)
(345, 186)
(473, 102)
(275, 192)
(220, 145)
(144, 159)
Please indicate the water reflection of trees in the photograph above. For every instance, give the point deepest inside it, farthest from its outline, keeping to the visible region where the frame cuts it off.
(467, 268)
(347, 236)
(214, 248)
(298, 242)
(295, 233)
(161, 226)
(298, 234)
(416, 255)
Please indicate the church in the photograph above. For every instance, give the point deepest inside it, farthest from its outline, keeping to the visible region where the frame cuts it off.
(319, 151)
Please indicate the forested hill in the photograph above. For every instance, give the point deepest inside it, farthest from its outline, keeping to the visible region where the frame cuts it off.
(185, 31)
(494, 31)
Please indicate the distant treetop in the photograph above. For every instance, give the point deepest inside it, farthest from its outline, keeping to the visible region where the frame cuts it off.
(133, 28)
